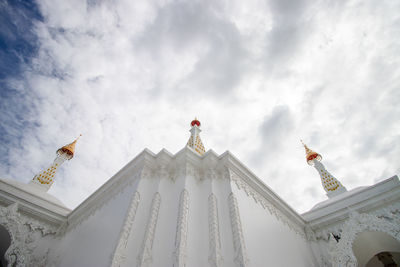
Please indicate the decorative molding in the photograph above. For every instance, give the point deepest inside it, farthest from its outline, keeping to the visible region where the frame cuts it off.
(310, 234)
(215, 257)
(171, 169)
(342, 252)
(22, 234)
(211, 173)
(258, 198)
(237, 232)
(390, 213)
(17, 253)
(179, 254)
(324, 234)
(119, 253)
(145, 256)
(194, 171)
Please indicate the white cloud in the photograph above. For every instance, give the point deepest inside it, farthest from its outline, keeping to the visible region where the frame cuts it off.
(259, 75)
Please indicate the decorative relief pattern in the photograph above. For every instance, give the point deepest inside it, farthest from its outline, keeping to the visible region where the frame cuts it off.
(17, 252)
(211, 173)
(194, 171)
(390, 214)
(119, 254)
(342, 252)
(22, 233)
(179, 254)
(258, 198)
(215, 257)
(238, 239)
(143, 172)
(145, 255)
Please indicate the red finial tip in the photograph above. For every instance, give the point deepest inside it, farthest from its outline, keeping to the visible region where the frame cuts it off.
(195, 122)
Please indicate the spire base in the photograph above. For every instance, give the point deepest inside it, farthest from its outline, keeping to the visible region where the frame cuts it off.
(338, 191)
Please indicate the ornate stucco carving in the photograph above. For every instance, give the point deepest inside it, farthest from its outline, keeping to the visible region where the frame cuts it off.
(179, 254)
(22, 233)
(342, 252)
(237, 232)
(310, 234)
(258, 198)
(215, 256)
(119, 253)
(163, 172)
(325, 233)
(194, 171)
(390, 213)
(145, 254)
(17, 253)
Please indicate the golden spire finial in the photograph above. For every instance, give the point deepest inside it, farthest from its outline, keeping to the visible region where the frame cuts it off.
(69, 149)
(311, 155)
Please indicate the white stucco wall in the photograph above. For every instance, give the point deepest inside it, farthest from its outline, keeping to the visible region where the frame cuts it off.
(92, 242)
(269, 241)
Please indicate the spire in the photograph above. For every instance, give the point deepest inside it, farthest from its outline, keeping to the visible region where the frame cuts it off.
(311, 155)
(194, 141)
(69, 149)
(331, 185)
(45, 179)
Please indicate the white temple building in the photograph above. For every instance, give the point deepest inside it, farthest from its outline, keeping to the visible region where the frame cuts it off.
(196, 209)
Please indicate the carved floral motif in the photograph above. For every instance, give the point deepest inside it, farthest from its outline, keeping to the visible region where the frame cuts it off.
(258, 198)
(237, 232)
(342, 252)
(119, 254)
(145, 255)
(215, 256)
(22, 233)
(179, 254)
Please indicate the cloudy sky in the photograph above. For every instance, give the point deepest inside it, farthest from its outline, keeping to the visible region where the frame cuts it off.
(259, 75)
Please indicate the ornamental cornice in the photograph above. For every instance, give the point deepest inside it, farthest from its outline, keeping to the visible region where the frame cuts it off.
(148, 165)
(164, 165)
(267, 204)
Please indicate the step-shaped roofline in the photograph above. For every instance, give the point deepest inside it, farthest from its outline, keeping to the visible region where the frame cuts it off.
(164, 157)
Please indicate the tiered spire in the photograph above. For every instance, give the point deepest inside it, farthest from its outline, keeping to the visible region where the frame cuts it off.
(45, 179)
(194, 140)
(331, 185)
